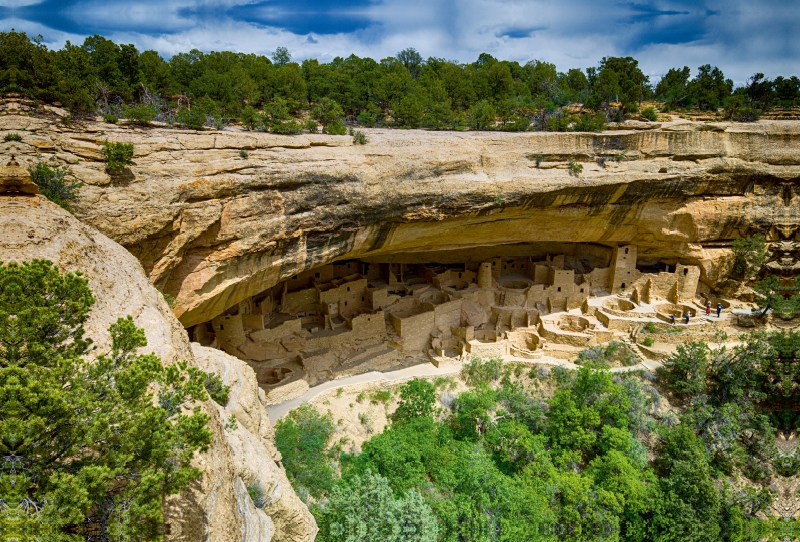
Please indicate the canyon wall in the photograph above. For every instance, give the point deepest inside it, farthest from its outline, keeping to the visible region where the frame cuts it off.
(217, 217)
(217, 507)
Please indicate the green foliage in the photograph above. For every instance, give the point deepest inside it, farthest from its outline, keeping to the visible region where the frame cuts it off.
(359, 137)
(12, 136)
(244, 154)
(749, 256)
(327, 112)
(538, 159)
(615, 352)
(302, 438)
(417, 399)
(481, 116)
(140, 114)
(478, 372)
(336, 127)
(216, 389)
(575, 168)
(366, 510)
(257, 495)
(117, 155)
(590, 122)
(110, 118)
(89, 450)
(53, 184)
(191, 118)
(249, 117)
(648, 341)
(650, 327)
(684, 372)
(380, 396)
(650, 114)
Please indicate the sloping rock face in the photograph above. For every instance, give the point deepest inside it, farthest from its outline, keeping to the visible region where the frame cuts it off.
(218, 507)
(213, 225)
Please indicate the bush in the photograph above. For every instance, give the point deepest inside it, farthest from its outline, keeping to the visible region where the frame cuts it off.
(310, 126)
(326, 112)
(302, 438)
(575, 168)
(12, 136)
(749, 256)
(650, 327)
(257, 495)
(359, 137)
(110, 118)
(650, 114)
(117, 155)
(93, 439)
(479, 372)
(336, 127)
(217, 389)
(244, 154)
(481, 116)
(648, 341)
(53, 183)
(141, 114)
(417, 398)
(590, 123)
(191, 118)
(249, 117)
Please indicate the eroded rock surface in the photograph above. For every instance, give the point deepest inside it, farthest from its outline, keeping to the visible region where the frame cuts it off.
(217, 507)
(214, 228)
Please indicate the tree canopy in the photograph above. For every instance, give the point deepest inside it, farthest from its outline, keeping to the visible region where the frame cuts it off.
(89, 448)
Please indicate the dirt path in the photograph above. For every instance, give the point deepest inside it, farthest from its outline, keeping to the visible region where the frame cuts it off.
(276, 412)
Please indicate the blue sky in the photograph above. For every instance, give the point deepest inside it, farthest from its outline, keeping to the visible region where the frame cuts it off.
(740, 36)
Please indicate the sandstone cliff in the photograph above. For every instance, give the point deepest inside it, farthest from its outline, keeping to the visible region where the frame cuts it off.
(213, 227)
(218, 507)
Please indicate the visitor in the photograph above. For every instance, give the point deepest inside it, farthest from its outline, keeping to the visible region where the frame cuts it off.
(708, 309)
(719, 309)
(672, 318)
(686, 317)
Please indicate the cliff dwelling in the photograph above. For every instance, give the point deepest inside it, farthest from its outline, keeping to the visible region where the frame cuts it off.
(355, 316)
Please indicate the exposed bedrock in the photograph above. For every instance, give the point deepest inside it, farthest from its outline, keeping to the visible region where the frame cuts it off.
(212, 227)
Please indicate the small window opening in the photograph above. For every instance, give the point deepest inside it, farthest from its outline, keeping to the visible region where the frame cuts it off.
(221, 327)
(559, 288)
(626, 251)
(685, 271)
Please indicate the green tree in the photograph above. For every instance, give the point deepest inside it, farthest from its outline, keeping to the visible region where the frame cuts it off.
(417, 399)
(481, 116)
(54, 183)
(91, 448)
(326, 112)
(749, 256)
(117, 155)
(673, 88)
(684, 372)
(302, 438)
(709, 88)
(281, 56)
(365, 510)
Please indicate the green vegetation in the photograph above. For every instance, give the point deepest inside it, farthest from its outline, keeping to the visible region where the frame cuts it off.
(53, 184)
(648, 341)
(359, 137)
(12, 136)
(615, 353)
(749, 256)
(650, 327)
(244, 154)
(575, 168)
(117, 155)
(406, 90)
(110, 118)
(90, 447)
(501, 462)
(302, 437)
(650, 114)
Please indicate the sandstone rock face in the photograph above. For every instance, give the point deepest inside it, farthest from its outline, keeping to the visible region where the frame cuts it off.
(213, 228)
(217, 507)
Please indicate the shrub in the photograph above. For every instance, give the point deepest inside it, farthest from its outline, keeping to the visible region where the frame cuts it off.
(117, 155)
(12, 136)
(310, 126)
(302, 438)
(650, 327)
(287, 128)
(120, 433)
(110, 118)
(191, 118)
(243, 153)
(648, 341)
(538, 160)
(326, 112)
(595, 122)
(257, 495)
(53, 183)
(359, 137)
(141, 114)
(217, 389)
(417, 398)
(381, 396)
(479, 372)
(650, 114)
(575, 168)
(369, 117)
(249, 117)
(481, 116)
(336, 127)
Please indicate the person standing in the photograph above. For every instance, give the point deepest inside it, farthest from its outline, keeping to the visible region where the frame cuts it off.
(719, 309)
(672, 318)
(708, 309)
(686, 317)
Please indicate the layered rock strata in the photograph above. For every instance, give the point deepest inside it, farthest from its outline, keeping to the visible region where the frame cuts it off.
(214, 226)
